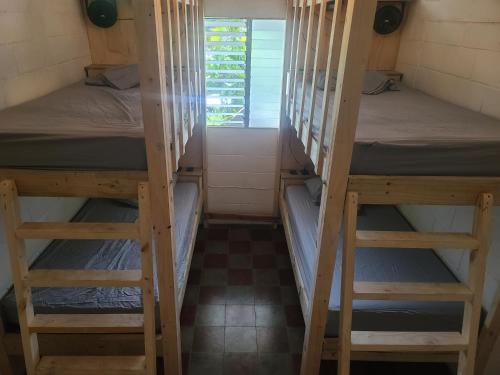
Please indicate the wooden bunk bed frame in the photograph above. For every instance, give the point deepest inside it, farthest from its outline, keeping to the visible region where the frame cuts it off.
(348, 49)
(170, 42)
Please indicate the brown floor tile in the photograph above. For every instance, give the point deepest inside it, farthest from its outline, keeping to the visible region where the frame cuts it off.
(270, 316)
(205, 363)
(215, 261)
(268, 295)
(294, 316)
(281, 247)
(199, 247)
(239, 247)
(218, 234)
(210, 315)
(240, 261)
(187, 334)
(214, 277)
(239, 234)
(240, 295)
(262, 234)
(188, 315)
(208, 340)
(272, 340)
(289, 295)
(240, 277)
(266, 277)
(212, 295)
(240, 315)
(264, 261)
(295, 339)
(241, 340)
(262, 247)
(191, 296)
(194, 277)
(274, 364)
(286, 277)
(240, 364)
(216, 247)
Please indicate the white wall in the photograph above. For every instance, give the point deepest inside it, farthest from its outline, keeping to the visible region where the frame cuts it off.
(241, 170)
(43, 46)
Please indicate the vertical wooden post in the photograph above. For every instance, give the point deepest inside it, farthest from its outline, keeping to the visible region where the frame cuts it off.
(472, 312)
(347, 282)
(307, 62)
(353, 61)
(148, 289)
(297, 61)
(488, 337)
(293, 56)
(320, 39)
(333, 57)
(180, 74)
(148, 15)
(19, 267)
(283, 117)
(170, 76)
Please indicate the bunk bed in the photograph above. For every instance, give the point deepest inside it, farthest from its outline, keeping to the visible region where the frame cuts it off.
(121, 149)
(375, 290)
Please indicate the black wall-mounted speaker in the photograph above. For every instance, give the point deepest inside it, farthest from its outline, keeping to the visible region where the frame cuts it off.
(388, 19)
(102, 13)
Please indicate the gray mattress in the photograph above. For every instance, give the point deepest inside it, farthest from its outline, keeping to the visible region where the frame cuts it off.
(77, 127)
(407, 132)
(111, 255)
(374, 265)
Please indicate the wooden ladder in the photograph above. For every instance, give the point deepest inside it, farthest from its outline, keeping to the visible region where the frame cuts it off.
(32, 324)
(470, 293)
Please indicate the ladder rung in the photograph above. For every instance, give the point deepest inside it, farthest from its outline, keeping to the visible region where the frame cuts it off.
(87, 323)
(78, 231)
(411, 291)
(373, 341)
(84, 278)
(119, 365)
(416, 240)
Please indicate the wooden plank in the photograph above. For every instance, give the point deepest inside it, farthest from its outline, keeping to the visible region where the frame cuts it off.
(95, 184)
(477, 267)
(187, 58)
(83, 278)
(148, 15)
(488, 336)
(396, 291)
(416, 240)
(354, 53)
(180, 73)
(439, 190)
(407, 341)
(320, 41)
(19, 268)
(148, 278)
(333, 57)
(293, 57)
(87, 323)
(85, 365)
(346, 293)
(283, 111)
(78, 231)
(305, 76)
(297, 65)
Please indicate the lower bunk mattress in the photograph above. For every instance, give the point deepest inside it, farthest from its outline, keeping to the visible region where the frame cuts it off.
(109, 255)
(377, 265)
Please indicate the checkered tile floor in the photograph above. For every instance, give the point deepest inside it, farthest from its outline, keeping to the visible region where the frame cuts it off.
(241, 313)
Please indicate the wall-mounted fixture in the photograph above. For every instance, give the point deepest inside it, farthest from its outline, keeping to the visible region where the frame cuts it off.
(102, 13)
(388, 19)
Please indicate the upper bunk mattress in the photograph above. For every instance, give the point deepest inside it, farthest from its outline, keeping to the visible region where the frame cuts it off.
(378, 265)
(105, 254)
(407, 132)
(77, 127)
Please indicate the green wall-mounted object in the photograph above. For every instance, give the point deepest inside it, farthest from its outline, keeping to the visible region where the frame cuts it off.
(102, 13)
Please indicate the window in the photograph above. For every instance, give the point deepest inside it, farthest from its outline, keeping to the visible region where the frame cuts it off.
(244, 68)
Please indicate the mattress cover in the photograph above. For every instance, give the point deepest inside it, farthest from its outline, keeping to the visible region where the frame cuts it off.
(408, 132)
(105, 254)
(378, 265)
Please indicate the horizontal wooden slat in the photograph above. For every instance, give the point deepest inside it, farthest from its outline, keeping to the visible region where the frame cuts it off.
(411, 291)
(83, 278)
(416, 240)
(97, 184)
(87, 323)
(78, 231)
(87, 365)
(371, 341)
(422, 189)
